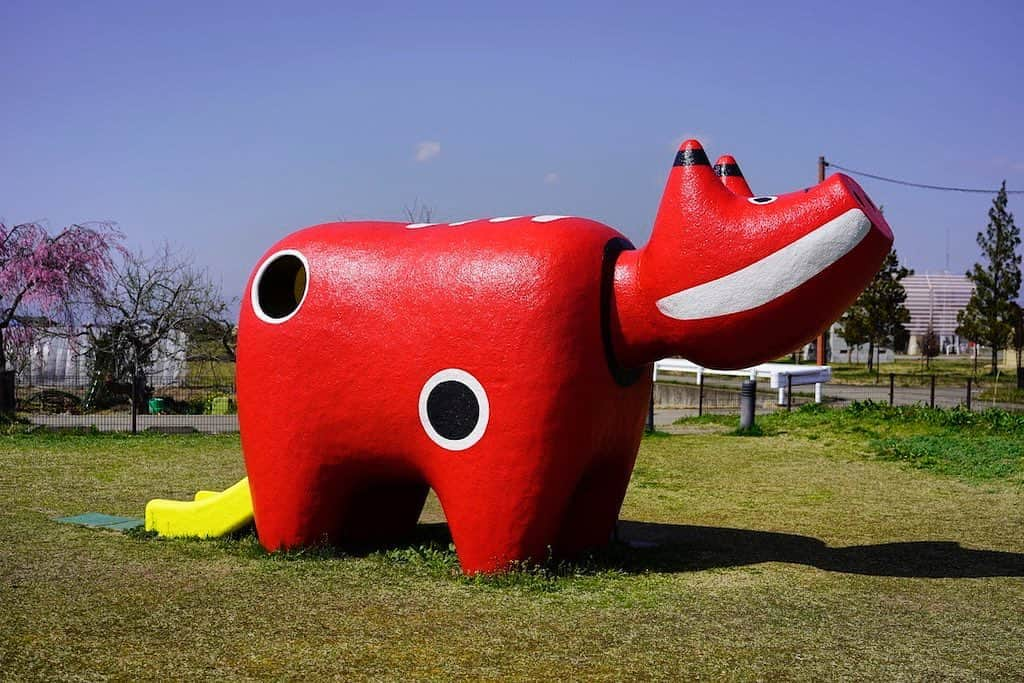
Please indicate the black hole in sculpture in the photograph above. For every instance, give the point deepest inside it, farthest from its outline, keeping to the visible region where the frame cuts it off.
(281, 286)
(763, 200)
(453, 410)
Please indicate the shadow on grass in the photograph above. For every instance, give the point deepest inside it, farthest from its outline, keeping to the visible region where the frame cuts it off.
(674, 548)
(680, 548)
(671, 548)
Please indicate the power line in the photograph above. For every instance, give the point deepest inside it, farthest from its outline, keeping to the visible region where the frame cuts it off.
(919, 185)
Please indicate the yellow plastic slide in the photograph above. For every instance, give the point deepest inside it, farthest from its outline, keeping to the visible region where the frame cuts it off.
(212, 513)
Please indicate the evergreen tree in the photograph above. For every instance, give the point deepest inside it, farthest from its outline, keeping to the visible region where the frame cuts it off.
(853, 328)
(931, 346)
(878, 314)
(988, 318)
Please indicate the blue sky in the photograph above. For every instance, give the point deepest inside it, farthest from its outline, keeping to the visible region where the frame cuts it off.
(223, 126)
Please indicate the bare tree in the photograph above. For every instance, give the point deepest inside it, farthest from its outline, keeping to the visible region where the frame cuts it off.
(418, 212)
(148, 301)
(220, 329)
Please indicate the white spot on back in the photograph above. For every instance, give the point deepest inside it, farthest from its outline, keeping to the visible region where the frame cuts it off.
(414, 226)
(463, 222)
(547, 219)
(502, 219)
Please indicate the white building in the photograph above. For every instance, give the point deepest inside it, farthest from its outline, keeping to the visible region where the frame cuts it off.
(59, 361)
(934, 300)
(841, 352)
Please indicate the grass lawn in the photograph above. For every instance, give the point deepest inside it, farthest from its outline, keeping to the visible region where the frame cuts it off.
(837, 545)
(946, 371)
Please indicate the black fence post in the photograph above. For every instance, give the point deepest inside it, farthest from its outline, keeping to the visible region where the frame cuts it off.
(970, 380)
(7, 402)
(892, 389)
(137, 390)
(789, 392)
(700, 394)
(931, 395)
(650, 412)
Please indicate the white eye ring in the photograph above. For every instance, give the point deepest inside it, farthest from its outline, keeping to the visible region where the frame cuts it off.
(484, 410)
(284, 300)
(763, 199)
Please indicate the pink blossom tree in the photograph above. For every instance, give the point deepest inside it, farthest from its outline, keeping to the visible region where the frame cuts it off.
(49, 275)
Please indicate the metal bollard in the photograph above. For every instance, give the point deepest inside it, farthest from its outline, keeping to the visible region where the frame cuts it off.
(892, 388)
(969, 381)
(700, 394)
(789, 392)
(931, 397)
(650, 412)
(748, 395)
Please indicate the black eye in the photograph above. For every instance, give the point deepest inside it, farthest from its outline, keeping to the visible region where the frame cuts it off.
(279, 287)
(763, 199)
(454, 409)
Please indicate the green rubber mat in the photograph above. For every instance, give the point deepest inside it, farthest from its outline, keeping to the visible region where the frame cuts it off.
(101, 521)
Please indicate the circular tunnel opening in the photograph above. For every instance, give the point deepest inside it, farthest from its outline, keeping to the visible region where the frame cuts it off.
(281, 287)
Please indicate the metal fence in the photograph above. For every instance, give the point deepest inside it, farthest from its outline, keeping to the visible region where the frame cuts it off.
(149, 403)
(718, 395)
(206, 402)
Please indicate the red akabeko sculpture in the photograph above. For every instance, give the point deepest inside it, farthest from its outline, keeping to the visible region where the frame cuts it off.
(505, 362)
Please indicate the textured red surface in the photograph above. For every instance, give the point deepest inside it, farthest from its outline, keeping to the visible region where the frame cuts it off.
(544, 316)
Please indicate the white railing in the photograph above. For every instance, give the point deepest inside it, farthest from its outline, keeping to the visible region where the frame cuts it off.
(779, 375)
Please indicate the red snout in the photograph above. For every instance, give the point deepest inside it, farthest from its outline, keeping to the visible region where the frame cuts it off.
(801, 260)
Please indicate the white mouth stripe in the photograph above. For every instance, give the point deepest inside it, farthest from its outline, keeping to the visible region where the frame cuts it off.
(772, 276)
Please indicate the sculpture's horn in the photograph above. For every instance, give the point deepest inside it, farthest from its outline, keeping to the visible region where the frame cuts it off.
(693, 197)
(728, 171)
(691, 175)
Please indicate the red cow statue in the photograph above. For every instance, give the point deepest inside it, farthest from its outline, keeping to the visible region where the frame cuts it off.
(505, 362)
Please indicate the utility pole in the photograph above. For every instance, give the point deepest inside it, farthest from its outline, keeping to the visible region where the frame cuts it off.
(820, 341)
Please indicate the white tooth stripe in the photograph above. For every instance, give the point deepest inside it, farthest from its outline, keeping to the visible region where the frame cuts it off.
(463, 222)
(772, 276)
(546, 219)
(502, 219)
(416, 226)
